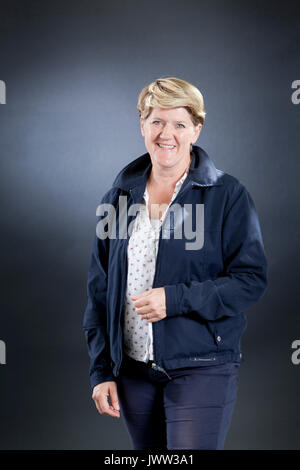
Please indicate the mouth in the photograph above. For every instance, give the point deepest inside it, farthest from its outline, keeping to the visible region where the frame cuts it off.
(166, 147)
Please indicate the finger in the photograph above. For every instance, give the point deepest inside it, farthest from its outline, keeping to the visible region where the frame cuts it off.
(143, 310)
(114, 400)
(155, 317)
(141, 303)
(114, 407)
(110, 411)
(104, 407)
(150, 317)
(113, 412)
(143, 294)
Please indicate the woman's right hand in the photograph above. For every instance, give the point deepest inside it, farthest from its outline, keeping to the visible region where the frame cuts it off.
(100, 394)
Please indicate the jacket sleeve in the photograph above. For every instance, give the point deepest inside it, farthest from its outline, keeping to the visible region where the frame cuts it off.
(94, 322)
(244, 278)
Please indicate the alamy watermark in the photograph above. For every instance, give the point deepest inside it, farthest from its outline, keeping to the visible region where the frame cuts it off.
(180, 222)
(295, 97)
(295, 358)
(2, 352)
(2, 92)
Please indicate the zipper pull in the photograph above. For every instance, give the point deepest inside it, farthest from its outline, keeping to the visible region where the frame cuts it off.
(159, 368)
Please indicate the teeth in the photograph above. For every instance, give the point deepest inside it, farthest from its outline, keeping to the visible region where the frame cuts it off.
(166, 146)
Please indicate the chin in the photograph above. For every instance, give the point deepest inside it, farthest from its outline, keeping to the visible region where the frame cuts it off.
(166, 160)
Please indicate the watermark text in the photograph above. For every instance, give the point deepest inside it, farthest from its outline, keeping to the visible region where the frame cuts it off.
(2, 352)
(2, 92)
(179, 222)
(295, 97)
(295, 358)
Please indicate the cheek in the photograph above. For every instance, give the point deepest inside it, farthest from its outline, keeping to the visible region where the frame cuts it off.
(187, 139)
(149, 134)
(153, 133)
(183, 140)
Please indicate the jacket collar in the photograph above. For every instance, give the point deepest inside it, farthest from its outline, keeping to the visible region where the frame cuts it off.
(202, 171)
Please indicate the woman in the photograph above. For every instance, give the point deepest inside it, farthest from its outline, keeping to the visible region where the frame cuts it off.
(166, 297)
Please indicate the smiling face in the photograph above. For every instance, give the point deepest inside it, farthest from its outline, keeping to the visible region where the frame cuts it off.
(168, 135)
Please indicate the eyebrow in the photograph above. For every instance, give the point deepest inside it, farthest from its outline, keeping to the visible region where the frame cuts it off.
(157, 117)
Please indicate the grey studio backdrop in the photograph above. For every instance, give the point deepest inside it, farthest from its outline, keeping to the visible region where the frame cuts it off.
(72, 73)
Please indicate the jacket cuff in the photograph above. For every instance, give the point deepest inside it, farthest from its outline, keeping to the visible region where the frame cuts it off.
(172, 304)
(101, 375)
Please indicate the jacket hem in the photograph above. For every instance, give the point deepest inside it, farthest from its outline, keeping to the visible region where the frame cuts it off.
(203, 360)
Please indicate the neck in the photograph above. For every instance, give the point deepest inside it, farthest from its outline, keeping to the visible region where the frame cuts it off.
(168, 176)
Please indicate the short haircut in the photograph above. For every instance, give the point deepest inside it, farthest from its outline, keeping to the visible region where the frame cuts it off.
(172, 92)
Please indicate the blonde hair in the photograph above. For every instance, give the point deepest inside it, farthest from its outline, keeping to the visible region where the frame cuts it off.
(172, 92)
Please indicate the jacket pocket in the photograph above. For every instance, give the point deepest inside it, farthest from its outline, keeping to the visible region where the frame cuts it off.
(188, 335)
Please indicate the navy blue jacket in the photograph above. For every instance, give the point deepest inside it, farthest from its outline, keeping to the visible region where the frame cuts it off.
(207, 290)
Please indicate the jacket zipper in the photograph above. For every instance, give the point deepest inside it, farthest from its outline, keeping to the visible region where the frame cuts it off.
(159, 368)
(154, 365)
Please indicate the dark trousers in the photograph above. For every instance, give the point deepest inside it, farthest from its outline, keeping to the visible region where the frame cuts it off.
(192, 410)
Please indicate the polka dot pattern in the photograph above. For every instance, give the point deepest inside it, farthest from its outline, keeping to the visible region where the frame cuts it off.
(141, 256)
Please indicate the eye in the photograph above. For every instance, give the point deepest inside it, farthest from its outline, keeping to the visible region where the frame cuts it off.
(155, 122)
(179, 124)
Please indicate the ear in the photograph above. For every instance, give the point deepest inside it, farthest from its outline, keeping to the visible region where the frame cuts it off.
(142, 126)
(197, 132)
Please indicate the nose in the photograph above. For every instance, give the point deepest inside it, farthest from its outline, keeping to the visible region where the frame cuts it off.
(166, 131)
